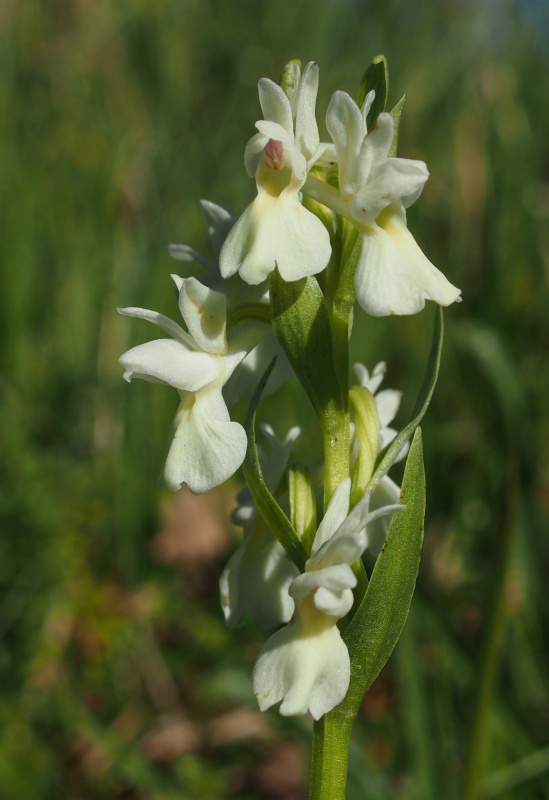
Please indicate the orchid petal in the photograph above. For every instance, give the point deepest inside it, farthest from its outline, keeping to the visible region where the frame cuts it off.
(345, 548)
(178, 280)
(388, 403)
(275, 105)
(170, 362)
(273, 467)
(272, 130)
(163, 322)
(206, 448)
(351, 540)
(346, 127)
(234, 357)
(253, 153)
(337, 510)
(373, 382)
(388, 181)
(255, 582)
(205, 313)
(326, 155)
(293, 94)
(306, 129)
(362, 375)
(334, 603)
(305, 672)
(275, 231)
(368, 102)
(182, 252)
(380, 138)
(373, 153)
(348, 542)
(219, 221)
(335, 578)
(393, 275)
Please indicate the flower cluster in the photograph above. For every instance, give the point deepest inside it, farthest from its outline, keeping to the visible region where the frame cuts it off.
(306, 664)
(289, 570)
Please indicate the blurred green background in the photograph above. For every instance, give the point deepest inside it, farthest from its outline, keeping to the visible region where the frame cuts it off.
(118, 676)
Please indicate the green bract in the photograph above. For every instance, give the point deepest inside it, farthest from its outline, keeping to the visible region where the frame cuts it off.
(376, 78)
(377, 624)
(302, 503)
(366, 433)
(276, 519)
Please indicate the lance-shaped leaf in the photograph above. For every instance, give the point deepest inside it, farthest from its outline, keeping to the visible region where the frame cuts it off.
(388, 456)
(376, 77)
(378, 622)
(277, 521)
(301, 322)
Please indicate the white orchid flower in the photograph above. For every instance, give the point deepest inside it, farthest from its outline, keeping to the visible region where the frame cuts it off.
(256, 579)
(275, 229)
(306, 664)
(205, 447)
(219, 221)
(393, 276)
(387, 403)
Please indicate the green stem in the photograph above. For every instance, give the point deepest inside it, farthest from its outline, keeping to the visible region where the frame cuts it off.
(337, 434)
(340, 325)
(495, 626)
(336, 454)
(330, 754)
(332, 733)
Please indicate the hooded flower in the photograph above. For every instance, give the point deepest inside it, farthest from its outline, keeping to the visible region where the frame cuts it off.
(219, 220)
(306, 664)
(393, 276)
(205, 447)
(255, 581)
(276, 230)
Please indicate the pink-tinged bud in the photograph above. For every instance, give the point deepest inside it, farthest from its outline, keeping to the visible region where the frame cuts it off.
(274, 154)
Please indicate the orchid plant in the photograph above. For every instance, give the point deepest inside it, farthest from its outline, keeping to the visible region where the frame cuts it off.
(326, 230)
